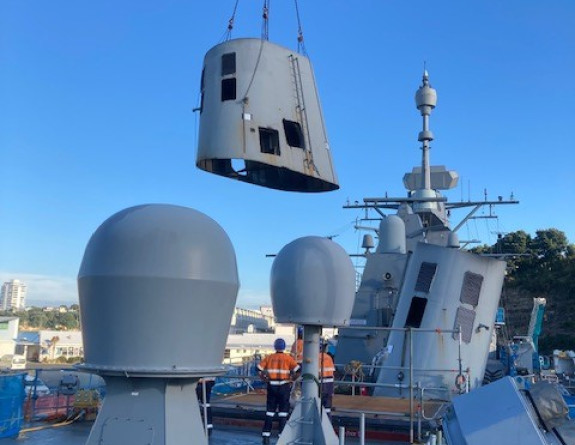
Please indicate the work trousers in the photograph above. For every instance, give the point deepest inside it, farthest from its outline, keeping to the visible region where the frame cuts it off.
(327, 396)
(277, 399)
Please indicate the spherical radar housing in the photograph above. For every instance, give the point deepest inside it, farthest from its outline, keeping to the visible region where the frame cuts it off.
(313, 282)
(158, 285)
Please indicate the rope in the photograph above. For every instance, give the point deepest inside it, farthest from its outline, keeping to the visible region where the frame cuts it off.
(265, 22)
(355, 369)
(300, 43)
(53, 425)
(227, 34)
(312, 377)
(231, 22)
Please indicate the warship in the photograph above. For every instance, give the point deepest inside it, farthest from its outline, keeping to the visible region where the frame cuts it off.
(418, 329)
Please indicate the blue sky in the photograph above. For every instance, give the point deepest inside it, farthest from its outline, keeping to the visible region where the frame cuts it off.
(96, 104)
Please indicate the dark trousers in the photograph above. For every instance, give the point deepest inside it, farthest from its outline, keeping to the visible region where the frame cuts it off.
(327, 396)
(277, 399)
(199, 392)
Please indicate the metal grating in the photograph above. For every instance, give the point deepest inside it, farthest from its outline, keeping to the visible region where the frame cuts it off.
(464, 318)
(471, 288)
(425, 277)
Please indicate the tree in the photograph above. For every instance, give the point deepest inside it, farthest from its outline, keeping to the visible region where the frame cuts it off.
(53, 342)
(550, 244)
(37, 319)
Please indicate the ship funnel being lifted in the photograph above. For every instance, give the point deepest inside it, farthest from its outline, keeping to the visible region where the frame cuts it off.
(261, 120)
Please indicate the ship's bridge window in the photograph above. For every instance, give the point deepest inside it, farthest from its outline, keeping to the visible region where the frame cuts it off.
(294, 135)
(471, 288)
(416, 311)
(228, 89)
(269, 141)
(425, 277)
(228, 64)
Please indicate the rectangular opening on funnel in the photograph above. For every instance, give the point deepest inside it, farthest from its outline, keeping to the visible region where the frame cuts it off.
(425, 277)
(269, 141)
(294, 135)
(228, 89)
(228, 64)
(416, 311)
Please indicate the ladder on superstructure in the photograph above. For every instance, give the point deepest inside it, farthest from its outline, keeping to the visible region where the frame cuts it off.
(301, 111)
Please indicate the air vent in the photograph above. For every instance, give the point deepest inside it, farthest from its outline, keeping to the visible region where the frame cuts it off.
(464, 319)
(471, 288)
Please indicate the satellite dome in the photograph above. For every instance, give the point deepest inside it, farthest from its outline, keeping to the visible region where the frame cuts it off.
(313, 282)
(158, 285)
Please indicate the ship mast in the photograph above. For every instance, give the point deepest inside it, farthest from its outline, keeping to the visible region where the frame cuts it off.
(424, 185)
(425, 99)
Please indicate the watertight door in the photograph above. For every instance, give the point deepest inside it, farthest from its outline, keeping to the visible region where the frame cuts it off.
(261, 120)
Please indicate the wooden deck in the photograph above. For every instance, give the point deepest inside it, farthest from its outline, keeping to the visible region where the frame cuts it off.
(386, 407)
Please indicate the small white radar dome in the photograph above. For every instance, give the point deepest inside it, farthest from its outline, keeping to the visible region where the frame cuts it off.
(313, 283)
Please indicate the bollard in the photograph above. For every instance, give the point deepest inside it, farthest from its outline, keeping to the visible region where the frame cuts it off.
(362, 429)
(342, 435)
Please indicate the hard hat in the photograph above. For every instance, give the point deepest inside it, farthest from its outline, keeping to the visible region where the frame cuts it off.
(279, 344)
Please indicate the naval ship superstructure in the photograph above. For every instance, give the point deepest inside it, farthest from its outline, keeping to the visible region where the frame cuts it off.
(424, 305)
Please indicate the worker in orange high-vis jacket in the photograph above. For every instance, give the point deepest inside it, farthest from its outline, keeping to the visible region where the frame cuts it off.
(326, 373)
(277, 370)
(297, 346)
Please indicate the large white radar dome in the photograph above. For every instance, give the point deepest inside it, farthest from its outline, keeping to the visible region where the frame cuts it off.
(158, 285)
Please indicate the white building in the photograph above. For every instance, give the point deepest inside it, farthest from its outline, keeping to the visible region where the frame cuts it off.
(13, 296)
(247, 320)
(242, 348)
(55, 344)
(8, 335)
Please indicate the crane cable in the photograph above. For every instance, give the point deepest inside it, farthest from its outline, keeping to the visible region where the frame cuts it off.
(265, 21)
(265, 25)
(228, 33)
(300, 43)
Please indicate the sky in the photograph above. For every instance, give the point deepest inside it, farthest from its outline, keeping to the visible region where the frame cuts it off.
(96, 115)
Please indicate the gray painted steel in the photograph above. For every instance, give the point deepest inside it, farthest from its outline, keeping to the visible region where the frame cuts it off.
(312, 282)
(498, 413)
(252, 86)
(308, 423)
(155, 265)
(399, 292)
(444, 299)
(391, 235)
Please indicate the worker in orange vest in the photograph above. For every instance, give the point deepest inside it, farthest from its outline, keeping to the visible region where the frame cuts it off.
(277, 370)
(297, 346)
(326, 373)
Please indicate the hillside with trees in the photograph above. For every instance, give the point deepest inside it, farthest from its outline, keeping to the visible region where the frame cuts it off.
(38, 318)
(539, 266)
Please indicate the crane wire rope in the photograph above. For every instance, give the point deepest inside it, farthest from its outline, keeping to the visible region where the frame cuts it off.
(265, 20)
(227, 35)
(300, 43)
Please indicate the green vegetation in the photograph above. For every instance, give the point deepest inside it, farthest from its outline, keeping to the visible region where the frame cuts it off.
(38, 318)
(540, 266)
